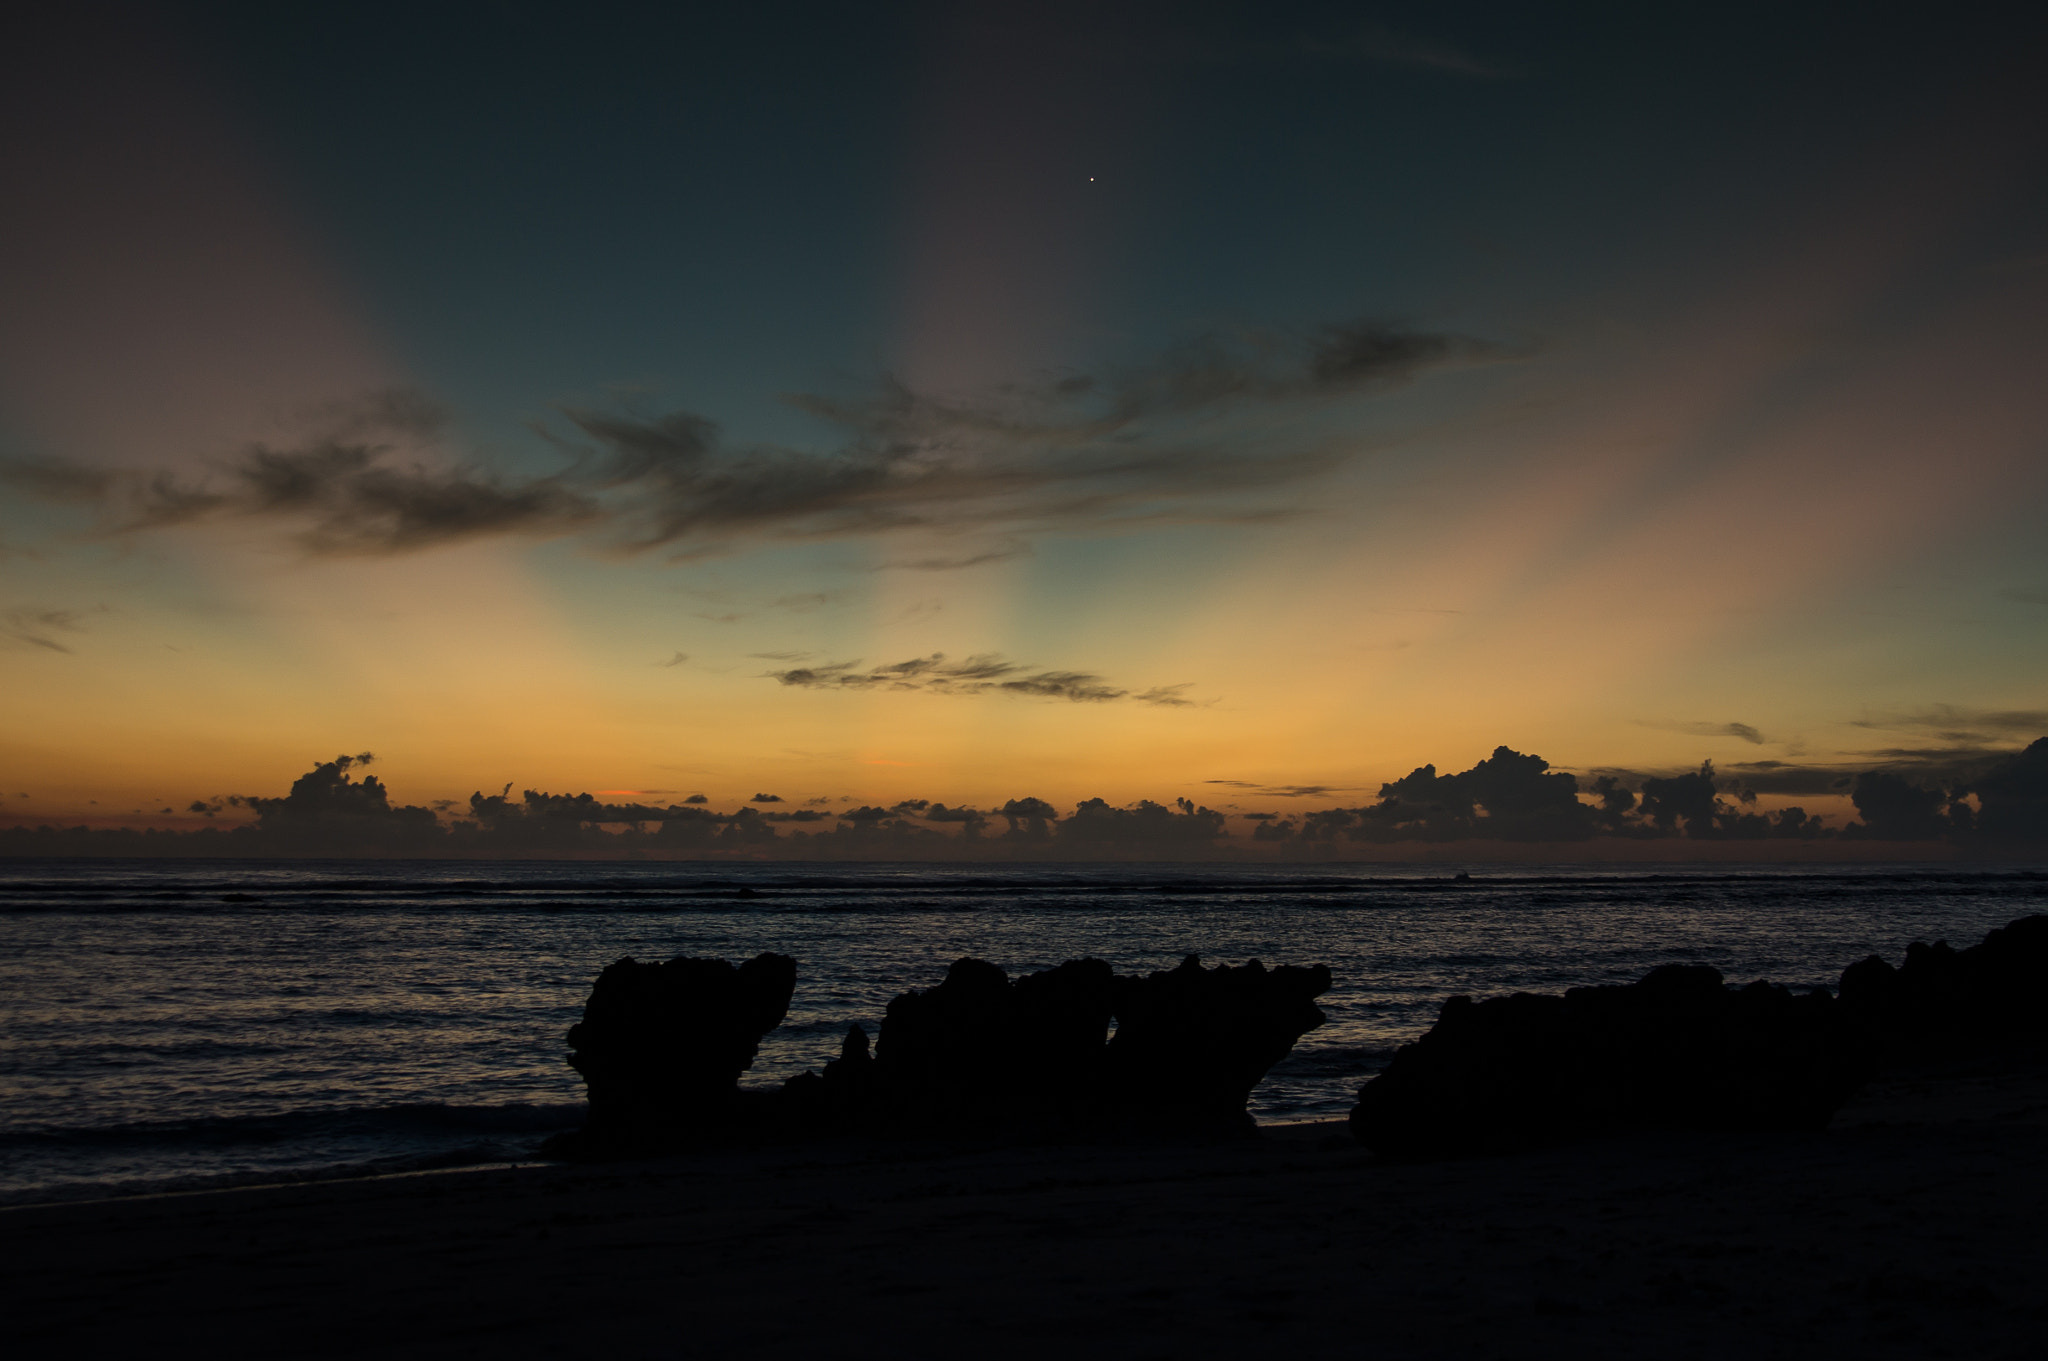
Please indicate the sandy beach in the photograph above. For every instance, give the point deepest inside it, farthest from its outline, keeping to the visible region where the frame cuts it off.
(1913, 1227)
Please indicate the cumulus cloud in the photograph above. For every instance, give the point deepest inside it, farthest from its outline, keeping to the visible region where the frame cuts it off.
(1950, 763)
(1176, 440)
(1792, 778)
(981, 674)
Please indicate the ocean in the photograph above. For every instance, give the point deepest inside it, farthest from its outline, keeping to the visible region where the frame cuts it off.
(178, 1024)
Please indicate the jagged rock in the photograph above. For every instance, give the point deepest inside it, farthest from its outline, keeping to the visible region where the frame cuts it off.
(661, 1048)
(981, 1051)
(1991, 995)
(839, 1100)
(1191, 1043)
(1674, 1051)
(986, 1055)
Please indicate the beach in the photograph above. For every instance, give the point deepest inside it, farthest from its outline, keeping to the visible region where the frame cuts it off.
(1911, 1227)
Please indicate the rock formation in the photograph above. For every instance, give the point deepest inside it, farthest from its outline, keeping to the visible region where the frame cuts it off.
(1942, 1001)
(978, 1053)
(661, 1048)
(986, 1055)
(1674, 1051)
(1191, 1043)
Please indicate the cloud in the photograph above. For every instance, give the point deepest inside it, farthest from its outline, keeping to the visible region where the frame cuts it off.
(938, 812)
(361, 480)
(1788, 778)
(56, 481)
(981, 674)
(40, 628)
(808, 602)
(1078, 686)
(1284, 791)
(1946, 764)
(1176, 440)
(766, 798)
(1955, 724)
(1743, 731)
(2030, 596)
(676, 660)
(1005, 553)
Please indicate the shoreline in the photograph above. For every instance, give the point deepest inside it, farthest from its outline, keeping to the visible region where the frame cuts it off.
(1911, 1222)
(225, 1182)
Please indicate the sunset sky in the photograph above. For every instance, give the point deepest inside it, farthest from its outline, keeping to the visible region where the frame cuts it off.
(1241, 402)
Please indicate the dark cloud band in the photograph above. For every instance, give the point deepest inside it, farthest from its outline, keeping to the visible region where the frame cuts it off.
(981, 674)
(1131, 446)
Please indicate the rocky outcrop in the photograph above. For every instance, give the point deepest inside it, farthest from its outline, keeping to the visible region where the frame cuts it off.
(982, 1052)
(661, 1048)
(1677, 1050)
(1941, 1001)
(984, 1055)
(1191, 1042)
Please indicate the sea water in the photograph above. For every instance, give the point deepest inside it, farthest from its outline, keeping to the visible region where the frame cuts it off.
(178, 1024)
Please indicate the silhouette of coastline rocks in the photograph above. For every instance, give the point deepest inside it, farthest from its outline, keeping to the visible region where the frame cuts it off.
(1678, 1050)
(661, 1048)
(1942, 1002)
(980, 1054)
(1191, 1043)
(1674, 1051)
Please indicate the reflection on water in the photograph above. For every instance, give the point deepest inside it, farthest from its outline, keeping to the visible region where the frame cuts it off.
(175, 1020)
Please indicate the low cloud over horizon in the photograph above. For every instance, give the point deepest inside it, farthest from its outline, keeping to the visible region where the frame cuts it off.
(1508, 797)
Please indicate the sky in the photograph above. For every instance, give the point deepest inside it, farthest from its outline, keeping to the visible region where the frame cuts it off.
(1247, 403)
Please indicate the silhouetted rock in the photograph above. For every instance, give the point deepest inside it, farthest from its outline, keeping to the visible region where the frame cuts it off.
(835, 1102)
(986, 1055)
(1941, 1000)
(980, 1051)
(1191, 1043)
(661, 1048)
(1674, 1051)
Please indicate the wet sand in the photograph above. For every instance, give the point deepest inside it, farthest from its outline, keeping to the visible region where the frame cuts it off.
(1916, 1226)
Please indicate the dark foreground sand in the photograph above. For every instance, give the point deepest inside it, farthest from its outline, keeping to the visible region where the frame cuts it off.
(1916, 1227)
